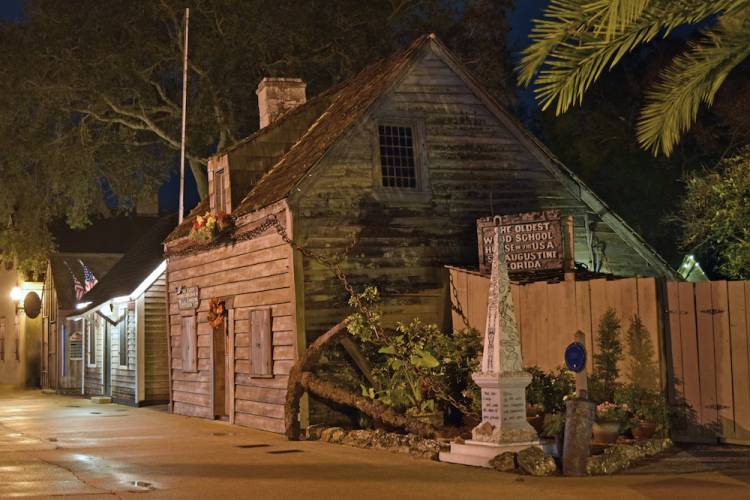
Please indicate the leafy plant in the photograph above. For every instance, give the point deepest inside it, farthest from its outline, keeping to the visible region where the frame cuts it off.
(417, 367)
(603, 381)
(554, 423)
(645, 405)
(549, 390)
(642, 370)
(612, 412)
(714, 214)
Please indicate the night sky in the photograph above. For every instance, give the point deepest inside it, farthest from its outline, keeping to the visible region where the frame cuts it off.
(520, 22)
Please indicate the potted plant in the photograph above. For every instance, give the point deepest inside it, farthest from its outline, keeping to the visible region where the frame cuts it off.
(554, 426)
(609, 420)
(209, 226)
(648, 410)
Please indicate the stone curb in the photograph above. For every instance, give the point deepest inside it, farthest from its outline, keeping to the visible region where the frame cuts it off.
(407, 444)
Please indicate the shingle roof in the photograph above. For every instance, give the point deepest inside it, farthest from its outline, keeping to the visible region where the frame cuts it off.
(134, 267)
(66, 265)
(348, 103)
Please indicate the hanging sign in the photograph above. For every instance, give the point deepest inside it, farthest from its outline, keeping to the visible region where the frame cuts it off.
(187, 297)
(533, 241)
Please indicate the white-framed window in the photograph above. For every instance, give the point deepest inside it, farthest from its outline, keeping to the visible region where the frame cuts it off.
(122, 333)
(90, 329)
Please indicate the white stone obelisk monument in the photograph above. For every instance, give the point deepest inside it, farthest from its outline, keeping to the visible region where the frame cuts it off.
(502, 378)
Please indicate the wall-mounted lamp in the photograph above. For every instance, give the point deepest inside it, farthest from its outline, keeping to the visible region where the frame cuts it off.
(16, 294)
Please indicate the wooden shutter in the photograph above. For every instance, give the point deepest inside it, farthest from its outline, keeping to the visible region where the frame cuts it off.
(189, 345)
(261, 343)
(219, 190)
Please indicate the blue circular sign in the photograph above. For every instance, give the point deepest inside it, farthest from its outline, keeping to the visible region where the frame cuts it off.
(575, 357)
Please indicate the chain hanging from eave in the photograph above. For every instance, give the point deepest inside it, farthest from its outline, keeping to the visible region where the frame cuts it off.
(272, 221)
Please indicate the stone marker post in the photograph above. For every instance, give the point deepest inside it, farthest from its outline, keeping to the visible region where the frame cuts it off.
(579, 418)
(502, 378)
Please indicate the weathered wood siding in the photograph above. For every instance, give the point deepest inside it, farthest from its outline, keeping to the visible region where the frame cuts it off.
(93, 383)
(123, 376)
(251, 274)
(475, 167)
(156, 376)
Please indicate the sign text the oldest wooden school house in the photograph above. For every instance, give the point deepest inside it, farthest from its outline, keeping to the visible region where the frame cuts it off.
(533, 241)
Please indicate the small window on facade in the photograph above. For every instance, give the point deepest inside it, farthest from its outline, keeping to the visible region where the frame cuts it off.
(397, 163)
(76, 347)
(219, 190)
(91, 342)
(122, 329)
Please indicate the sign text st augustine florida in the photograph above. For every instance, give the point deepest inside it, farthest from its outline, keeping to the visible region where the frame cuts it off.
(533, 240)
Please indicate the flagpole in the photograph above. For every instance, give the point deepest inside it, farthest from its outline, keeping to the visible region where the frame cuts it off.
(184, 113)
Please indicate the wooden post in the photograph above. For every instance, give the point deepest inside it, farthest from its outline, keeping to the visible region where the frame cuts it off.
(579, 418)
(582, 383)
(569, 263)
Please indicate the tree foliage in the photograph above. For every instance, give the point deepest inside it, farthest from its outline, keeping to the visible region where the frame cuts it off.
(608, 355)
(90, 108)
(577, 40)
(598, 141)
(642, 369)
(715, 214)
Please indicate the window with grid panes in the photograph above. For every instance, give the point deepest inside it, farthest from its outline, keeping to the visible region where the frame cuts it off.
(397, 163)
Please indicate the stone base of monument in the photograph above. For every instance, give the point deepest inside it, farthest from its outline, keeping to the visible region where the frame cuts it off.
(479, 453)
(504, 426)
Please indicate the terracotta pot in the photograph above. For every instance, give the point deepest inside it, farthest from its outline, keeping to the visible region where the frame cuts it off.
(537, 422)
(644, 430)
(606, 432)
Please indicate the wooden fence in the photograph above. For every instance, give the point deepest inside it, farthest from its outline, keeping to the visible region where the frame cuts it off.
(700, 335)
(709, 357)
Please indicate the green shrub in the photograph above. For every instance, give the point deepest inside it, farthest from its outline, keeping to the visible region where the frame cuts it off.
(603, 380)
(417, 367)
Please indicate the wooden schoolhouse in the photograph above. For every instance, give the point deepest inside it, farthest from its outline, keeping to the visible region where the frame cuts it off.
(387, 172)
(123, 321)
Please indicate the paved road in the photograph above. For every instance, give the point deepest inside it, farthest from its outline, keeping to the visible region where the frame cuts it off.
(54, 445)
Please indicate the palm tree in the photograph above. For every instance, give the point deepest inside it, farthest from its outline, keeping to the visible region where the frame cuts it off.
(577, 40)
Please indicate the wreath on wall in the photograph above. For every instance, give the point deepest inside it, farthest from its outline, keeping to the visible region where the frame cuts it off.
(217, 311)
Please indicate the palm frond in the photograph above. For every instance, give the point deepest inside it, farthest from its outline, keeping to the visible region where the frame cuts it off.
(613, 16)
(577, 39)
(692, 79)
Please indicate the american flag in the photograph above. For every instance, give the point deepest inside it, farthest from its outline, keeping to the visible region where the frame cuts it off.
(79, 289)
(89, 280)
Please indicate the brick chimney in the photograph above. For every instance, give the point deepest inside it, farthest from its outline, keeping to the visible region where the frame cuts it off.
(278, 95)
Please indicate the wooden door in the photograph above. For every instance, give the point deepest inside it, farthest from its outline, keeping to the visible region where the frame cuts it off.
(229, 366)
